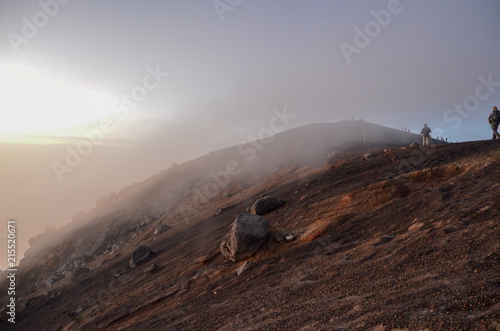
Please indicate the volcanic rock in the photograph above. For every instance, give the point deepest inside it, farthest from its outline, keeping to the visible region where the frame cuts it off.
(139, 255)
(265, 205)
(247, 234)
(161, 229)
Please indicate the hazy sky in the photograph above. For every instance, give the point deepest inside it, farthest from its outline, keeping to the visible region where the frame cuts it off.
(157, 82)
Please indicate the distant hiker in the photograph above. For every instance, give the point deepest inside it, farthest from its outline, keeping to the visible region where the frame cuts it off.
(426, 134)
(494, 119)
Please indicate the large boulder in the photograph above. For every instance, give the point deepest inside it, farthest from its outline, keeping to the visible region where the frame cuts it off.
(265, 205)
(247, 234)
(139, 255)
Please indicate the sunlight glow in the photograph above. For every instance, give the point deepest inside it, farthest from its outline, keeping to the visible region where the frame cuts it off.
(36, 104)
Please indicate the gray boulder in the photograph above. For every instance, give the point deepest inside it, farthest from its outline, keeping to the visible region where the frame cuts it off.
(139, 255)
(265, 205)
(247, 234)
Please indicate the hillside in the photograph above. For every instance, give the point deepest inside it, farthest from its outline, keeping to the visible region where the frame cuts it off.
(385, 238)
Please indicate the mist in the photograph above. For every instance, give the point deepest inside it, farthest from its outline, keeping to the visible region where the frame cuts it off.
(184, 79)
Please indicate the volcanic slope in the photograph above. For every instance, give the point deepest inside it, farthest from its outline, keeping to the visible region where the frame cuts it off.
(385, 238)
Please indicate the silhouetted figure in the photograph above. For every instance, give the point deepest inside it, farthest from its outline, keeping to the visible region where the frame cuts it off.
(494, 119)
(446, 139)
(426, 134)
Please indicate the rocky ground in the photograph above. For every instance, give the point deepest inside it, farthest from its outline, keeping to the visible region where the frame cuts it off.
(384, 239)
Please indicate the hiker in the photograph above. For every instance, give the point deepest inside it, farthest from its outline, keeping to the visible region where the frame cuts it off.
(426, 134)
(494, 119)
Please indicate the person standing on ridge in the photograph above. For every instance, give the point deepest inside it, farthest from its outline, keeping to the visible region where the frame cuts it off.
(494, 119)
(426, 134)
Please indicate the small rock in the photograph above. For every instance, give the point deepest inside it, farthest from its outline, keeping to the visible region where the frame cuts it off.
(139, 255)
(79, 273)
(161, 229)
(76, 311)
(244, 267)
(290, 238)
(265, 205)
(279, 237)
(220, 210)
(151, 269)
(413, 145)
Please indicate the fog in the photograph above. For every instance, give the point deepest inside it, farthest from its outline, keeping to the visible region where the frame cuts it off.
(184, 78)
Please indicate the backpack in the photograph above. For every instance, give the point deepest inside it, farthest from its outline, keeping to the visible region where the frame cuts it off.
(495, 116)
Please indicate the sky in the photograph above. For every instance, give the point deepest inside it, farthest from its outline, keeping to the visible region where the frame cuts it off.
(95, 96)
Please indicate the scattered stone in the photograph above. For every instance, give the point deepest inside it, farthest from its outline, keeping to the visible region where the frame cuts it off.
(312, 182)
(220, 210)
(265, 205)
(76, 311)
(161, 229)
(151, 269)
(247, 234)
(51, 280)
(246, 266)
(413, 145)
(139, 255)
(279, 237)
(79, 273)
(368, 155)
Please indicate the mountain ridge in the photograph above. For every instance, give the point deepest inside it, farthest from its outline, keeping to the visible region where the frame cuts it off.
(337, 206)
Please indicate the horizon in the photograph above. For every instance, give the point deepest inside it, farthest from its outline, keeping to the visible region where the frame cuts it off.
(138, 87)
